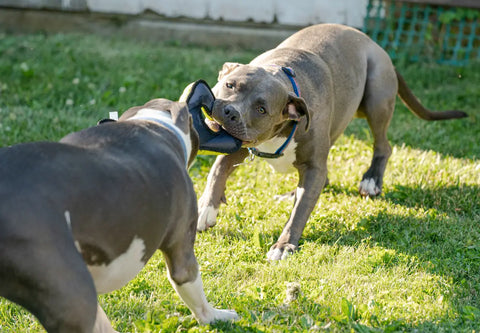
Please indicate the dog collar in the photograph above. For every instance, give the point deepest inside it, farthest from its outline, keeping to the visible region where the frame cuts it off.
(279, 152)
(164, 118)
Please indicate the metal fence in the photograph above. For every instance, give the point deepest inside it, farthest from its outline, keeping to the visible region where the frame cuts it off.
(426, 30)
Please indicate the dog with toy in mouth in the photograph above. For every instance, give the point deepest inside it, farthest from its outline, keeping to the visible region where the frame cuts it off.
(291, 103)
(82, 216)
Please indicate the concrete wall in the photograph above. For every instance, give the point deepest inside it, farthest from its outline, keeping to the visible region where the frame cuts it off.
(283, 12)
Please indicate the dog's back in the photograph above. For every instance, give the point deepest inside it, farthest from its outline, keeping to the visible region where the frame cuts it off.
(112, 191)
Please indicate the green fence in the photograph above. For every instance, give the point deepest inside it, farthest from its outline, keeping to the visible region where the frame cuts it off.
(413, 31)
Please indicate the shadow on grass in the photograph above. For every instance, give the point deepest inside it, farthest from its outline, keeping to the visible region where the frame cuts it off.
(445, 240)
(452, 200)
(450, 227)
(458, 138)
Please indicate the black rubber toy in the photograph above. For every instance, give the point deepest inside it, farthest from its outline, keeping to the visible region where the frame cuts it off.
(199, 99)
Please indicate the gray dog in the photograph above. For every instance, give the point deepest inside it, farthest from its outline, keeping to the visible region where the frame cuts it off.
(84, 215)
(316, 80)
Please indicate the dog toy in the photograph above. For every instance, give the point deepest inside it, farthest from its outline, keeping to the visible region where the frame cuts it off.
(213, 139)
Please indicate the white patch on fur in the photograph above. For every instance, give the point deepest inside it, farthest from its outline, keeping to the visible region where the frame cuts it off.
(165, 117)
(67, 218)
(284, 197)
(194, 297)
(282, 164)
(299, 191)
(102, 324)
(69, 223)
(275, 254)
(121, 270)
(77, 245)
(207, 218)
(368, 187)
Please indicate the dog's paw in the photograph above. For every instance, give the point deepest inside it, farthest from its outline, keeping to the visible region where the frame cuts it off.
(218, 315)
(207, 218)
(224, 315)
(368, 188)
(280, 252)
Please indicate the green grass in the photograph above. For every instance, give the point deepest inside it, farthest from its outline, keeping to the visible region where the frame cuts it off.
(406, 261)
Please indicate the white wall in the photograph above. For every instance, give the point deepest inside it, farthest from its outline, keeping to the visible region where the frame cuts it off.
(288, 12)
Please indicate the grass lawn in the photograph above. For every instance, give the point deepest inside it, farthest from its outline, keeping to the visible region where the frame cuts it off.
(406, 261)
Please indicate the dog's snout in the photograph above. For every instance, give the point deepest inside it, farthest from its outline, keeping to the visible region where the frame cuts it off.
(231, 114)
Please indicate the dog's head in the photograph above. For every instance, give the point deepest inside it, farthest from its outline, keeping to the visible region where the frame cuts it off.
(180, 117)
(252, 104)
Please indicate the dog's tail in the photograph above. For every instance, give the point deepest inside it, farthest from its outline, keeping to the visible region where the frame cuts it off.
(414, 105)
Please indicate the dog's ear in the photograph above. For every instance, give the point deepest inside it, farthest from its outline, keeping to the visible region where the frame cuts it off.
(227, 68)
(180, 115)
(297, 108)
(130, 112)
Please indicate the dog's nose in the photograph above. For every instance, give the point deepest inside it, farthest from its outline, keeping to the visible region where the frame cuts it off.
(231, 114)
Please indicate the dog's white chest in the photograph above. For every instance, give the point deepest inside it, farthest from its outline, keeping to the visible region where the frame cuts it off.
(282, 164)
(121, 270)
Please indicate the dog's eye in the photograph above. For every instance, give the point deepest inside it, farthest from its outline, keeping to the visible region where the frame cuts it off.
(261, 110)
(229, 85)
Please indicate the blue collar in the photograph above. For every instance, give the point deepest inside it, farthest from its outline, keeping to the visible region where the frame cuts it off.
(164, 118)
(279, 152)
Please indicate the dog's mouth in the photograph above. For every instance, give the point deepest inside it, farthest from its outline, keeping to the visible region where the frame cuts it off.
(213, 125)
(216, 127)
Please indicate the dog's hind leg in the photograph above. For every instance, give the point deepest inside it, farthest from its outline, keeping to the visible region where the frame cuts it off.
(378, 105)
(184, 276)
(48, 277)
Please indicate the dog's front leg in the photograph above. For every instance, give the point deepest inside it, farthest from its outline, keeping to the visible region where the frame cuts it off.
(215, 189)
(310, 185)
(102, 324)
(184, 275)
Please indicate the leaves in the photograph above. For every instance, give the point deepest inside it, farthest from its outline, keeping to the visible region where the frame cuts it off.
(458, 14)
